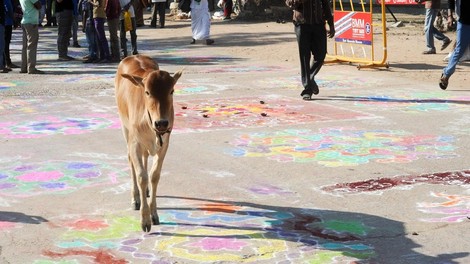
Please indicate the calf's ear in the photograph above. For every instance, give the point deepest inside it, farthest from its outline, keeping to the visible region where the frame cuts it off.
(136, 80)
(178, 75)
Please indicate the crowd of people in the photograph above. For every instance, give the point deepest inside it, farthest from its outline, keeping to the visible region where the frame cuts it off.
(121, 16)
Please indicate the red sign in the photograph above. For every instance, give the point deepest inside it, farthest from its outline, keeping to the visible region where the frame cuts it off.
(398, 2)
(353, 27)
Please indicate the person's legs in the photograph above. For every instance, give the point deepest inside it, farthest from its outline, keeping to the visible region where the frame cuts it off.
(2, 47)
(153, 22)
(24, 50)
(303, 34)
(462, 42)
(122, 36)
(428, 26)
(133, 33)
(161, 13)
(64, 19)
(91, 40)
(113, 28)
(75, 31)
(32, 46)
(8, 34)
(318, 49)
(103, 42)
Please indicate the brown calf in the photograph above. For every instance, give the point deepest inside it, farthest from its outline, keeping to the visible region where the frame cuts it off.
(144, 96)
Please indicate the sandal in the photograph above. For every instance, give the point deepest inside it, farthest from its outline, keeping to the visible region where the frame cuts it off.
(443, 82)
(192, 41)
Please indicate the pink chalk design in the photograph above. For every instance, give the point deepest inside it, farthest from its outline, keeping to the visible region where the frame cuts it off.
(52, 125)
(27, 180)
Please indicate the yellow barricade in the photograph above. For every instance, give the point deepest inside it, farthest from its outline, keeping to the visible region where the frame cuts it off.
(355, 34)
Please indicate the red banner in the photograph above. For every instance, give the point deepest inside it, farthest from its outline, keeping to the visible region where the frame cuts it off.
(398, 2)
(353, 27)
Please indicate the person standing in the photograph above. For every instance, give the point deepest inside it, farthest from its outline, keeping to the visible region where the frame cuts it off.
(51, 20)
(64, 14)
(90, 33)
(158, 6)
(309, 18)
(200, 21)
(228, 9)
(126, 6)
(99, 17)
(29, 24)
(462, 10)
(113, 10)
(432, 8)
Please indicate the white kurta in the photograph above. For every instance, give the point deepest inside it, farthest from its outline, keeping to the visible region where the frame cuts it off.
(200, 19)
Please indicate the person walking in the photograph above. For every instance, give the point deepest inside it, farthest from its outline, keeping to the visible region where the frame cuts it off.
(201, 21)
(462, 10)
(29, 24)
(64, 15)
(309, 17)
(158, 6)
(113, 10)
(430, 32)
(126, 6)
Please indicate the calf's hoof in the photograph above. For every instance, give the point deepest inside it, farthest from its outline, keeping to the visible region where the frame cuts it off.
(146, 227)
(136, 205)
(155, 219)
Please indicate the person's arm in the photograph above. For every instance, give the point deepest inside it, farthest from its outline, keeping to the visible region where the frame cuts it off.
(329, 18)
(37, 5)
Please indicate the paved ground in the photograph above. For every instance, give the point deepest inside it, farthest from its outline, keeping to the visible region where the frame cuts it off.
(374, 170)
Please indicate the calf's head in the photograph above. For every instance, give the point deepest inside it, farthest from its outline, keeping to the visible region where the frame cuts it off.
(157, 88)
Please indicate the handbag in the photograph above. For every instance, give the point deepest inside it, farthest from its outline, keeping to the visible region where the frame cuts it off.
(127, 21)
(184, 5)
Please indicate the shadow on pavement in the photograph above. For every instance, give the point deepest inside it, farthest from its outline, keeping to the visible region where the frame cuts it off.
(366, 237)
(16, 217)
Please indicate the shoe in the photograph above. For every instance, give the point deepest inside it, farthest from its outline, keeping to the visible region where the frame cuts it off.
(13, 66)
(36, 71)
(153, 26)
(430, 51)
(209, 41)
(23, 71)
(5, 70)
(8, 69)
(76, 45)
(443, 82)
(90, 60)
(315, 88)
(162, 26)
(306, 94)
(135, 53)
(226, 18)
(66, 58)
(192, 41)
(445, 44)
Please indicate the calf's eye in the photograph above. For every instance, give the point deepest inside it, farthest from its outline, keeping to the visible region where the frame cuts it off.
(147, 92)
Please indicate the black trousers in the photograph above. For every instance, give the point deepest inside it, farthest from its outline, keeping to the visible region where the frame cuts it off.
(311, 39)
(8, 33)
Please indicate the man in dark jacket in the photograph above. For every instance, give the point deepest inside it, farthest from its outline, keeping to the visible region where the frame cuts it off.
(309, 19)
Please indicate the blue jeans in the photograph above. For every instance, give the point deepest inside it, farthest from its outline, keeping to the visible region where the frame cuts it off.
(91, 39)
(462, 42)
(430, 31)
